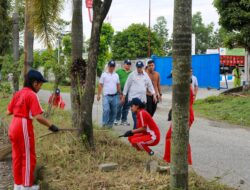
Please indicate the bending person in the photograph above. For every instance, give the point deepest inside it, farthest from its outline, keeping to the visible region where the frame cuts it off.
(25, 106)
(147, 132)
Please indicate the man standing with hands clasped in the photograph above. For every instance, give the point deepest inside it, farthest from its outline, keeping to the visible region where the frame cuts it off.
(110, 84)
(136, 86)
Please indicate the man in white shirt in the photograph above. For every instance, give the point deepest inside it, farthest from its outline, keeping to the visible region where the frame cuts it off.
(110, 84)
(136, 86)
(194, 83)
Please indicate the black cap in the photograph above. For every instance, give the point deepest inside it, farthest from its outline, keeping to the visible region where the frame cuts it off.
(111, 63)
(137, 102)
(127, 62)
(57, 91)
(139, 64)
(35, 75)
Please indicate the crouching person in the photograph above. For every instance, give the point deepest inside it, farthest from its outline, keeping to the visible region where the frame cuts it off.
(25, 106)
(147, 132)
(56, 99)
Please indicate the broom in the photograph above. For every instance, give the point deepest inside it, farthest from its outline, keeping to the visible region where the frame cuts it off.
(6, 149)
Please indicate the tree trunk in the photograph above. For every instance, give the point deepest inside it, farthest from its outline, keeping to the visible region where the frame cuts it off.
(28, 39)
(15, 33)
(100, 10)
(180, 98)
(246, 87)
(77, 47)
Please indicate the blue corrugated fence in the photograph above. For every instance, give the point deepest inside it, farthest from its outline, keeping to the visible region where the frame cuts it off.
(205, 67)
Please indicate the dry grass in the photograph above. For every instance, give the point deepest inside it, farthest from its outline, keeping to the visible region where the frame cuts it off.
(68, 165)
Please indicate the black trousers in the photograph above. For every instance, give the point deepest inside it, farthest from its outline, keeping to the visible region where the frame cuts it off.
(151, 106)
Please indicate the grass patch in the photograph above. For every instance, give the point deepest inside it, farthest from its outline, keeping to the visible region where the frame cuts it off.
(50, 86)
(232, 109)
(68, 164)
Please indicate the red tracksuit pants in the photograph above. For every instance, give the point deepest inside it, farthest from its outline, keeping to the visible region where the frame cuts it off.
(167, 153)
(142, 141)
(21, 135)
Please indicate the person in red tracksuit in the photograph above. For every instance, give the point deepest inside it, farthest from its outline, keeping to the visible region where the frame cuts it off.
(25, 106)
(147, 132)
(167, 153)
(57, 99)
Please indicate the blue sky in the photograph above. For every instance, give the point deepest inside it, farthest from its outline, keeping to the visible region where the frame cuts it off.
(124, 12)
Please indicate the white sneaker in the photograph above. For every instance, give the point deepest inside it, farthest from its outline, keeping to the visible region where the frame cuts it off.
(116, 122)
(17, 187)
(26, 188)
(34, 187)
(125, 123)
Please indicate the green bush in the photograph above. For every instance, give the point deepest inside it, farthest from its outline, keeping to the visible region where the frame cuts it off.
(5, 89)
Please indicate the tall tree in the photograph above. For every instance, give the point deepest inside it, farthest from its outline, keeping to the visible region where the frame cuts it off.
(203, 33)
(28, 37)
(161, 30)
(15, 36)
(182, 33)
(78, 67)
(235, 18)
(100, 10)
(132, 43)
(5, 34)
(41, 19)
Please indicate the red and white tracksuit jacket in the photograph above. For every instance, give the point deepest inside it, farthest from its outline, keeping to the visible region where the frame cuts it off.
(57, 101)
(151, 137)
(24, 105)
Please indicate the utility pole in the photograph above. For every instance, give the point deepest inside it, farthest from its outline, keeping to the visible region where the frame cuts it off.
(149, 28)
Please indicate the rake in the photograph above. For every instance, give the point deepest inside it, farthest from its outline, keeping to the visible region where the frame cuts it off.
(6, 149)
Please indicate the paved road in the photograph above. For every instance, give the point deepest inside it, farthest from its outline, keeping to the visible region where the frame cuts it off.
(220, 151)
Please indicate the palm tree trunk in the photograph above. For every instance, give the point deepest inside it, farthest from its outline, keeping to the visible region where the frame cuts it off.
(15, 34)
(180, 98)
(100, 10)
(28, 39)
(247, 70)
(77, 49)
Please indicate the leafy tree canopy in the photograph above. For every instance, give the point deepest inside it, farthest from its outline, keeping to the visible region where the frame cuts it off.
(235, 18)
(161, 30)
(203, 33)
(132, 43)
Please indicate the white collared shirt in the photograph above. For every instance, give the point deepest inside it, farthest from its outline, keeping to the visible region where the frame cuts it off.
(109, 82)
(136, 86)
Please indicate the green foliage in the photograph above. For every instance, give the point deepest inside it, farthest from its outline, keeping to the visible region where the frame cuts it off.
(132, 43)
(48, 59)
(5, 27)
(45, 18)
(8, 66)
(234, 17)
(160, 28)
(5, 89)
(67, 45)
(106, 37)
(203, 33)
(226, 108)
